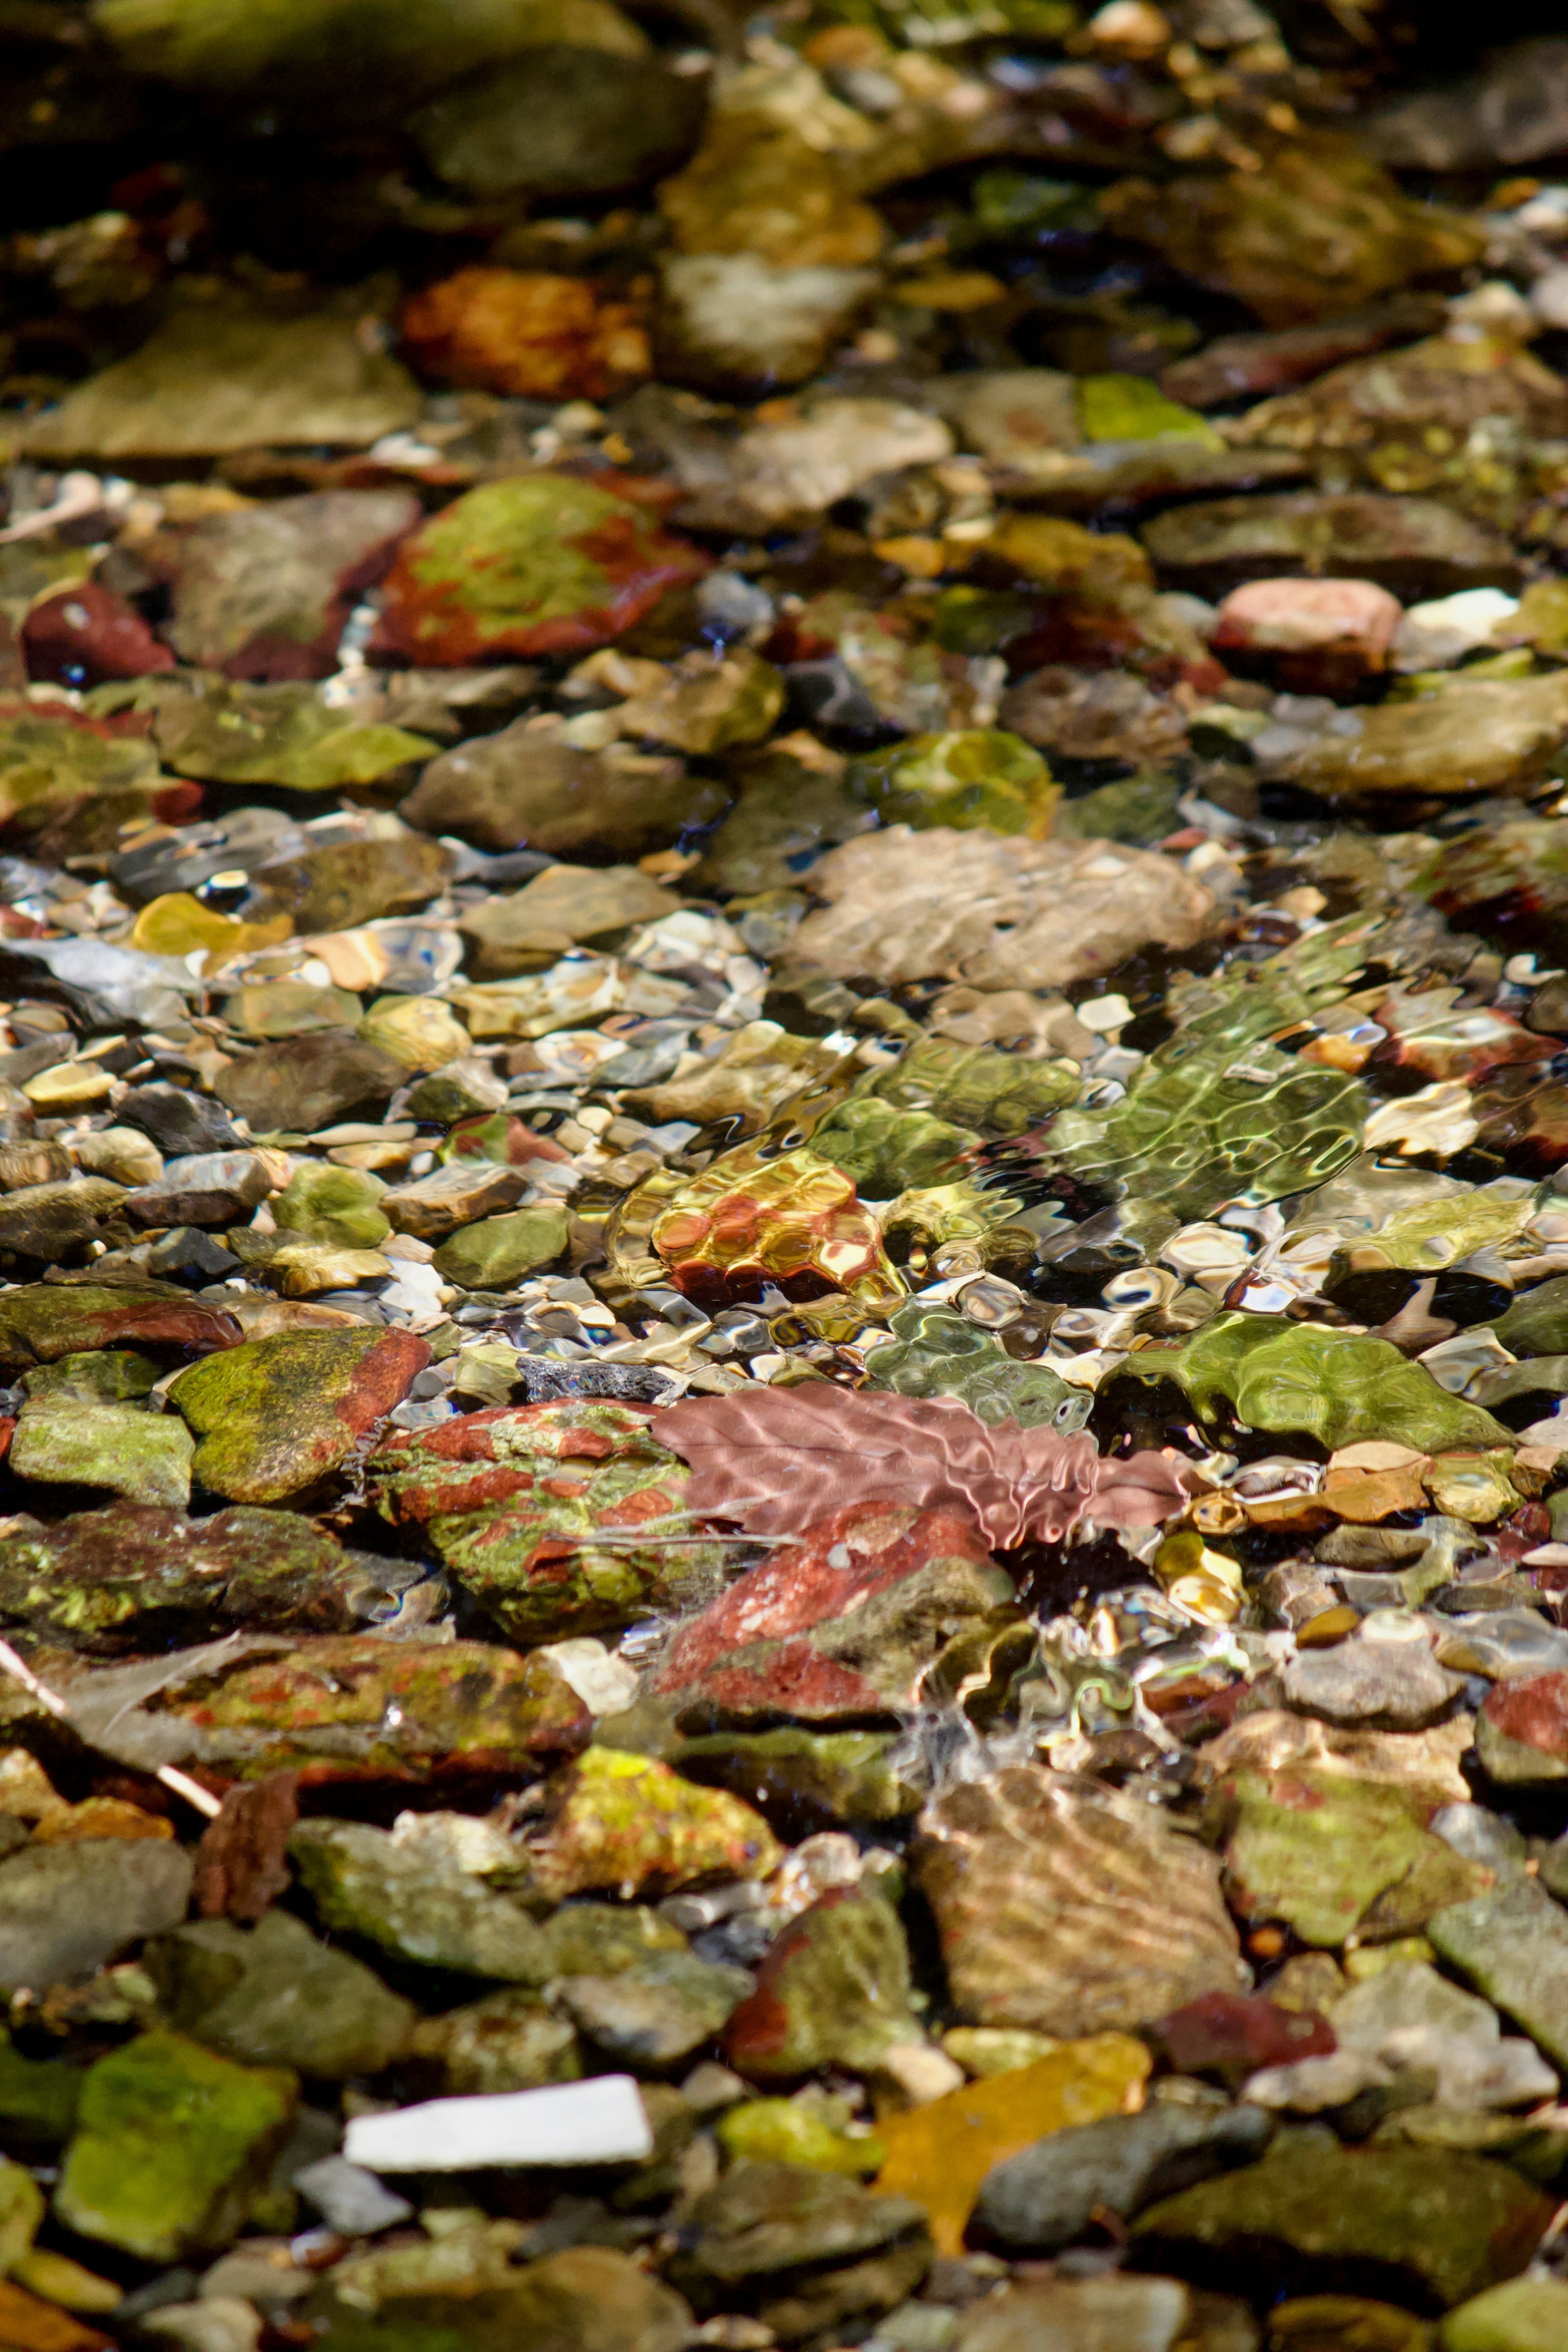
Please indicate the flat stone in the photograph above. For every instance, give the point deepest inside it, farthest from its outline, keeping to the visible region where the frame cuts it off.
(804, 1780)
(525, 786)
(738, 324)
(433, 1206)
(348, 2198)
(1513, 1946)
(1043, 2200)
(1427, 2228)
(1527, 2314)
(1490, 734)
(216, 1188)
(1065, 1909)
(570, 121)
(67, 1909)
(345, 883)
(363, 1883)
(1407, 2015)
(173, 2146)
(842, 1624)
(550, 914)
(177, 1118)
(496, 1253)
(601, 2121)
(146, 1456)
(1386, 1685)
(263, 591)
(804, 2250)
(655, 2014)
(272, 1996)
(1415, 547)
(941, 2152)
(276, 1416)
(309, 1082)
(41, 1322)
(1115, 2313)
(51, 1222)
(833, 1989)
(1522, 1731)
(613, 1819)
(510, 2041)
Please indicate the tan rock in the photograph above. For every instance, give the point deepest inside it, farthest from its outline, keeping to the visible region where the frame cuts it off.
(436, 1205)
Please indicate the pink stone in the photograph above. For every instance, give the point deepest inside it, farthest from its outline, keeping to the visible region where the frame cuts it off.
(1319, 634)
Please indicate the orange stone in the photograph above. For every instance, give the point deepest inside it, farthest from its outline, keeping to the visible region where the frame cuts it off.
(758, 1215)
(100, 1817)
(939, 2154)
(27, 2325)
(526, 333)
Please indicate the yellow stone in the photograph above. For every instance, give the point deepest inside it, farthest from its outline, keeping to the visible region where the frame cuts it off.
(419, 1031)
(301, 1268)
(984, 2051)
(1471, 1486)
(939, 2154)
(1345, 2323)
(69, 1086)
(60, 2280)
(178, 923)
(1065, 555)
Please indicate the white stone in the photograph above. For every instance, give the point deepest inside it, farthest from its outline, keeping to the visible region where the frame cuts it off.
(601, 2121)
(1436, 635)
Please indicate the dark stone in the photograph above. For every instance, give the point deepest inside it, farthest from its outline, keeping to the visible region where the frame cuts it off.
(241, 1868)
(1043, 2200)
(178, 1120)
(309, 1082)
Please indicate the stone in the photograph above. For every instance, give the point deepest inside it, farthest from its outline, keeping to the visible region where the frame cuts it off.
(805, 464)
(1421, 2226)
(68, 1910)
(51, 1222)
(178, 1119)
(941, 2152)
(539, 564)
(1513, 1944)
(496, 1253)
(349, 2199)
(1322, 229)
(796, 2131)
(1510, 112)
(1526, 2315)
(207, 1187)
(755, 1215)
(706, 706)
(1008, 913)
(146, 1456)
(1234, 2035)
(346, 883)
(804, 2250)
(1387, 1685)
(756, 187)
(979, 776)
(33, 2324)
(263, 591)
(285, 1412)
(86, 635)
(833, 1989)
(1408, 2016)
(41, 1322)
(802, 1780)
(1043, 2200)
(510, 2041)
(213, 378)
(1317, 637)
(1522, 1731)
(653, 2016)
(1116, 2313)
(512, 1500)
(734, 323)
(241, 1865)
(527, 786)
(757, 1067)
(309, 1082)
(1335, 1856)
(173, 2146)
(523, 332)
(940, 1352)
(549, 914)
(365, 1882)
(1489, 734)
(844, 1625)
(602, 2121)
(1415, 547)
(272, 1996)
(433, 1206)
(1063, 1908)
(628, 1823)
(337, 1205)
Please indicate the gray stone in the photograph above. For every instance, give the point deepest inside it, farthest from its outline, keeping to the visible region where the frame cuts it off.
(1512, 1945)
(658, 2012)
(403, 1897)
(350, 2200)
(1091, 2314)
(273, 1996)
(510, 2041)
(67, 1909)
(1372, 1685)
(1044, 2199)
(805, 2249)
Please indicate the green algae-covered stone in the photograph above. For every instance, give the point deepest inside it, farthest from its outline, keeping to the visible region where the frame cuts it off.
(323, 1203)
(537, 565)
(513, 1497)
(362, 1882)
(1338, 1386)
(496, 1252)
(974, 1086)
(38, 2098)
(1513, 1945)
(277, 735)
(936, 1352)
(975, 776)
(628, 1822)
(277, 1416)
(146, 1456)
(832, 1991)
(887, 1151)
(600, 1940)
(790, 2131)
(510, 2041)
(1525, 2315)
(804, 1780)
(108, 1376)
(173, 2144)
(1131, 408)
(272, 1996)
(42, 1322)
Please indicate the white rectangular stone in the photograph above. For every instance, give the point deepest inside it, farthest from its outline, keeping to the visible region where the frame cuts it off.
(601, 2121)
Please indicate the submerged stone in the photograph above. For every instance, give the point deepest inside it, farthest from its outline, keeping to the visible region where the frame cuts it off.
(276, 1416)
(273, 1996)
(833, 1989)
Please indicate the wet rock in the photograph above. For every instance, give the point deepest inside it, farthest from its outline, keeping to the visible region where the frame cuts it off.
(556, 910)
(1238, 365)
(941, 2153)
(1112, 2314)
(1043, 2200)
(272, 1996)
(449, 1198)
(1481, 735)
(804, 465)
(1234, 2035)
(176, 1117)
(50, 1222)
(756, 1068)
(1522, 1731)
(527, 787)
(1513, 1945)
(216, 378)
(1421, 2226)
(1023, 914)
(263, 591)
(274, 1416)
(804, 2250)
(510, 2041)
(614, 1819)
(1414, 546)
(1388, 1685)
(1512, 112)
(240, 1860)
(69, 1908)
(803, 1781)
(735, 323)
(345, 883)
(41, 1322)
(1317, 637)
(336, 1205)
(982, 777)
(280, 734)
(1408, 2016)
(1527, 2314)
(540, 564)
(86, 635)
(1322, 229)
(172, 2147)
(145, 1456)
(513, 1497)
(790, 2131)
(655, 2014)
(573, 121)
(496, 1253)
(308, 1081)
(1042, 1886)
(365, 1882)
(845, 1624)
(755, 186)
(833, 1989)
(510, 331)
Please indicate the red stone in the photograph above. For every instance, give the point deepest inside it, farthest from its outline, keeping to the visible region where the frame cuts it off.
(86, 635)
(1233, 2034)
(241, 1860)
(1317, 635)
(1532, 1712)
